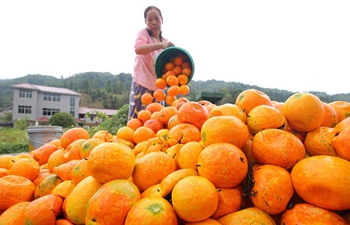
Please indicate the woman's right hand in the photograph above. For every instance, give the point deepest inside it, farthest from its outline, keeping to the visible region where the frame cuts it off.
(167, 44)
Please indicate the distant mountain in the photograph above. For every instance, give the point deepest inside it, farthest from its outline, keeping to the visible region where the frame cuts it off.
(106, 90)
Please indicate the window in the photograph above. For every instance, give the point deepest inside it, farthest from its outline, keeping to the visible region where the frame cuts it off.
(72, 106)
(24, 93)
(49, 111)
(24, 109)
(52, 97)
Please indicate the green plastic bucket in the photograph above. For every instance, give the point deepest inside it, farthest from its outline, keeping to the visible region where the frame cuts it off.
(40, 135)
(167, 54)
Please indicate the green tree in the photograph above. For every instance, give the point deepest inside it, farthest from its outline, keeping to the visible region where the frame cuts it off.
(62, 119)
(118, 120)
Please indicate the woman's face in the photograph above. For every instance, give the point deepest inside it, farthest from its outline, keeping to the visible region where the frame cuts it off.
(154, 22)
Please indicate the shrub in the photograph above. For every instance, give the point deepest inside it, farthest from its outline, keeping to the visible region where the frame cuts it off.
(62, 119)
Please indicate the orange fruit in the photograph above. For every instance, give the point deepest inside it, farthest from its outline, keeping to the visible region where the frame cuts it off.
(42, 174)
(163, 133)
(144, 115)
(112, 202)
(155, 115)
(224, 164)
(151, 169)
(46, 185)
(159, 95)
(143, 133)
(73, 134)
(103, 135)
(146, 98)
(305, 213)
(168, 73)
(173, 152)
(263, 117)
(151, 211)
(73, 150)
(178, 61)
(186, 64)
(248, 215)
(4, 172)
(167, 184)
(340, 140)
(41, 211)
(154, 124)
(330, 116)
(134, 123)
(177, 70)
(195, 191)
(63, 222)
(230, 200)
(222, 129)
(194, 113)
(172, 80)
(183, 133)
(9, 216)
(15, 189)
(247, 149)
(87, 146)
(277, 193)
(161, 83)
(63, 189)
(342, 108)
(6, 161)
(173, 90)
(76, 202)
(188, 155)
(154, 107)
(187, 71)
(250, 98)
(56, 142)
(56, 159)
(80, 171)
(182, 78)
(166, 113)
(304, 111)
(109, 161)
(64, 171)
(26, 167)
(126, 133)
(321, 190)
(169, 99)
(208, 221)
(228, 109)
(172, 121)
(277, 147)
(184, 89)
(169, 66)
(319, 142)
(42, 154)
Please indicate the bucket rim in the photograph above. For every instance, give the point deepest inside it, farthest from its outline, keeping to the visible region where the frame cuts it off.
(158, 66)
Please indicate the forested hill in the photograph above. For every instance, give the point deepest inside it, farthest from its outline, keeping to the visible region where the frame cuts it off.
(110, 91)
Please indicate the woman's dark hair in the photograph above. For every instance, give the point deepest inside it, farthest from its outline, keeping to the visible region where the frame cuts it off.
(145, 15)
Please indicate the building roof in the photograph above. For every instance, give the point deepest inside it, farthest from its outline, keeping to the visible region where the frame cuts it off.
(92, 111)
(46, 89)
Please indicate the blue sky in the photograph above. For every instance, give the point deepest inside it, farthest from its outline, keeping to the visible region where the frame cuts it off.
(290, 45)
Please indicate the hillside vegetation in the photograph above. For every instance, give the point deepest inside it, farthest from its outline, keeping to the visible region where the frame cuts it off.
(109, 91)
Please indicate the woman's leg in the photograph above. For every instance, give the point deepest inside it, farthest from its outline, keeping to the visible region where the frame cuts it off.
(135, 104)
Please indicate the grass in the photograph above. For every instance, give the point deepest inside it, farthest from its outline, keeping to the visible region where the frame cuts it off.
(13, 141)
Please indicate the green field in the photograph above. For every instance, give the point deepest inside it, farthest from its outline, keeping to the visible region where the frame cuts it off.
(13, 141)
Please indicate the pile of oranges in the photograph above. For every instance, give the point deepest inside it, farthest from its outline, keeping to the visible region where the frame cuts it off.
(174, 82)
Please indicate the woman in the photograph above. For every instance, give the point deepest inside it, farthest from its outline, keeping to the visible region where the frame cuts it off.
(149, 43)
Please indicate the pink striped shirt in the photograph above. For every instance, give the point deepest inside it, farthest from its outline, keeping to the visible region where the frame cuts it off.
(144, 73)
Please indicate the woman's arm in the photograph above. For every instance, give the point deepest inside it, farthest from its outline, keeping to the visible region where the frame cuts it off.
(147, 48)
